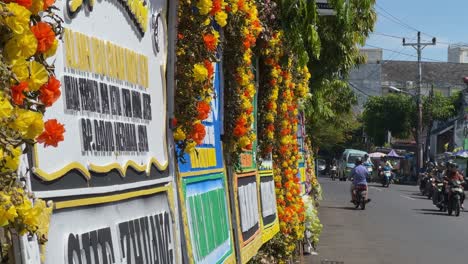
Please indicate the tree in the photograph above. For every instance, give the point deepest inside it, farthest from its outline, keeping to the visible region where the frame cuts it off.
(340, 37)
(397, 113)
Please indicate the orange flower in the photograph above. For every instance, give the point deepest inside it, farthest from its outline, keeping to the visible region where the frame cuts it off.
(45, 36)
(216, 7)
(239, 130)
(48, 3)
(25, 3)
(50, 91)
(198, 133)
(203, 109)
(210, 42)
(248, 147)
(53, 133)
(209, 67)
(17, 93)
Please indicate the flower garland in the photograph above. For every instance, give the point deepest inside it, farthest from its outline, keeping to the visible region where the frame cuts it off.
(197, 45)
(241, 36)
(268, 94)
(27, 88)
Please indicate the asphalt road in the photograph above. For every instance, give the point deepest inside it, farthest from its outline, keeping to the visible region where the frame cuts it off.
(398, 227)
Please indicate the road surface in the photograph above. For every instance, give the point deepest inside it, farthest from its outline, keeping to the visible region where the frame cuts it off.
(398, 226)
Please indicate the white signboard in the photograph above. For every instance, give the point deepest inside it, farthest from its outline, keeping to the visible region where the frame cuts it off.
(324, 8)
(132, 231)
(112, 68)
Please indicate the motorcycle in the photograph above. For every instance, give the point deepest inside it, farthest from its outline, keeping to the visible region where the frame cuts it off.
(386, 176)
(425, 181)
(333, 171)
(438, 195)
(360, 193)
(454, 198)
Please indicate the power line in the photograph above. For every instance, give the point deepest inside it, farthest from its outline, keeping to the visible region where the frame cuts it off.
(400, 37)
(399, 21)
(406, 54)
(355, 87)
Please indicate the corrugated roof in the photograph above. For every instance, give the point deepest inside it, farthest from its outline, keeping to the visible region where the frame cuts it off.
(441, 74)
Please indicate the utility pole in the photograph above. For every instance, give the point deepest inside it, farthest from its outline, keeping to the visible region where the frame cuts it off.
(419, 46)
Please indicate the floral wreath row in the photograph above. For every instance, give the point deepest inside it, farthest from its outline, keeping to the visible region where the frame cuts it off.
(241, 36)
(198, 42)
(29, 35)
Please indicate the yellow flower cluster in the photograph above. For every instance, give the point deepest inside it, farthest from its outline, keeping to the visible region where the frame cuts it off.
(17, 210)
(27, 45)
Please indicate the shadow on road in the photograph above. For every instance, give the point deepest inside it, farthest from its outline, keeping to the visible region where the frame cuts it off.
(430, 212)
(340, 207)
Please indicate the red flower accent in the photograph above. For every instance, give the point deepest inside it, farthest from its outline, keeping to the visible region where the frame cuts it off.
(216, 7)
(50, 91)
(53, 133)
(210, 42)
(17, 93)
(209, 67)
(45, 36)
(203, 109)
(198, 133)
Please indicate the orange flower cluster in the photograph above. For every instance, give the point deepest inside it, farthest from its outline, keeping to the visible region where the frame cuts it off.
(53, 133)
(45, 36)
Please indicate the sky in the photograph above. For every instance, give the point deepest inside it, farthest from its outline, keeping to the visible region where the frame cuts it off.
(446, 20)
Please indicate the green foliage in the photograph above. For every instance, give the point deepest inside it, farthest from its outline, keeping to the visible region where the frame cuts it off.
(331, 97)
(397, 113)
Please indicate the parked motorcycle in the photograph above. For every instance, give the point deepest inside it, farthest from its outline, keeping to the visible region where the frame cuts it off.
(333, 172)
(360, 194)
(454, 198)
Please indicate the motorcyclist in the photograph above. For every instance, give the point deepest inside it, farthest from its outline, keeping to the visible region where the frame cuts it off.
(452, 174)
(359, 175)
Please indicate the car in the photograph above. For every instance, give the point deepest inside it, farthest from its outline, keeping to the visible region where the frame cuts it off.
(347, 161)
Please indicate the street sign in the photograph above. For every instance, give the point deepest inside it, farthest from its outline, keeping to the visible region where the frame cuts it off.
(324, 8)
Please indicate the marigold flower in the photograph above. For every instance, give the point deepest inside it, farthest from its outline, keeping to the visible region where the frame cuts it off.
(17, 92)
(28, 123)
(221, 18)
(5, 107)
(203, 109)
(179, 134)
(204, 6)
(50, 91)
(209, 67)
(48, 3)
(216, 7)
(198, 133)
(45, 36)
(38, 75)
(53, 133)
(25, 3)
(19, 21)
(211, 42)
(37, 6)
(21, 46)
(200, 73)
(52, 50)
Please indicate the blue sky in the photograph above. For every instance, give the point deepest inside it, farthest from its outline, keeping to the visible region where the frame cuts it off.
(447, 20)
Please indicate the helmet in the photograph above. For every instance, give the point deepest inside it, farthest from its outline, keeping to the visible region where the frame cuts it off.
(451, 164)
(358, 161)
(366, 156)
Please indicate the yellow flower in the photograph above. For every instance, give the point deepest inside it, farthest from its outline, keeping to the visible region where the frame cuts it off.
(37, 6)
(51, 52)
(204, 6)
(270, 135)
(5, 107)
(28, 123)
(19, 21)
(21, 46)
(221, 18)
(38, 77)
(7, 210)
(44, 219)
(190, 146)
(12, 160)
(269, 117)
(179, 134)
(20, 69)
(246, 104)
(244, 141)
(207, 22)
(200, 73)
